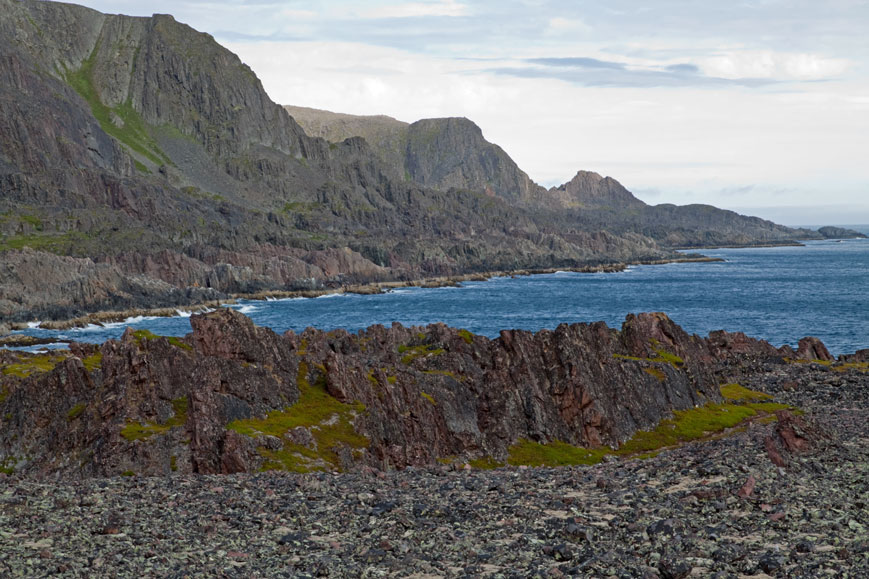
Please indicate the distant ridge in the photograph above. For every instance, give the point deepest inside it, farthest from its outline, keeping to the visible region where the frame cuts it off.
(143, 165)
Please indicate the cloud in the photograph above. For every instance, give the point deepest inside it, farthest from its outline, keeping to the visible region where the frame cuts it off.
(577, 62)
(768, 64)
(417, 9)
(561, 26)
(588, 71)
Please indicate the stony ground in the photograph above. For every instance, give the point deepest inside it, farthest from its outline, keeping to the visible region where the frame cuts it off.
(687, 511)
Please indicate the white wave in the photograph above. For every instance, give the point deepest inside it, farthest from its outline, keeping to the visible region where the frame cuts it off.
(182, 313)
(248, 308)
(335, 295)
(33, 325)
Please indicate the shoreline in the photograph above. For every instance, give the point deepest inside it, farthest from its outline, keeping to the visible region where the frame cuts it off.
(372, 288)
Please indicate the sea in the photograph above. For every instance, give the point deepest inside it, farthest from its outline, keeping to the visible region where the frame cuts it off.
(779, 294)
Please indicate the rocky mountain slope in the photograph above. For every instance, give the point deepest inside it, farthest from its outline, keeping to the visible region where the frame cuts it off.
(232, 397)
(152, 162)
(444, 153)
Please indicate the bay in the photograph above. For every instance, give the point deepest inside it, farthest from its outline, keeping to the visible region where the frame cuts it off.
(779, 294)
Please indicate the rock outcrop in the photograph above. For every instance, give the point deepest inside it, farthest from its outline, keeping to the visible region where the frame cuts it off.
(234, 397)
(153, 157)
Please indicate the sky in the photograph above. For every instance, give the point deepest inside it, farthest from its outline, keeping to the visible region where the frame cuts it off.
(761, 106)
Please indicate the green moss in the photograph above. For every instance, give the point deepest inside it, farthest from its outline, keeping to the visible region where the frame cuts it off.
(142, 335)
(391, 379)
(429, 397)
(34, 221)
(485, 463)
(133, 132)
(141, 167)
(411, 353)
(30, 364)
(173, 463)
(467, 336)
(93, 362)
(76, 411)
(657, 373)
(735, 392)
(134, 430)
(632, 358)
(128, 473)
(49, 242)
(7, 465)
(329, 421)
(687, 425)
(372, 378)
(556, 453)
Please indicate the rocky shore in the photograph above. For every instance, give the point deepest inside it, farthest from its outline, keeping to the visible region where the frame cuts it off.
(718, 508)
(375, 287)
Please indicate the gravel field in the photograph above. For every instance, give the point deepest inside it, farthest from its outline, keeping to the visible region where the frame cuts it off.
(719, 508)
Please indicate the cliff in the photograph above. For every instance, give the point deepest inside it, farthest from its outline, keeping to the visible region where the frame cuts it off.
(145, 147)
(234, 397)
(452, 153)
(144, 164)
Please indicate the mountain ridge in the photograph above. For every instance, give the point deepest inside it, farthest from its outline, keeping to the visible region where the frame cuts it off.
(145, 147)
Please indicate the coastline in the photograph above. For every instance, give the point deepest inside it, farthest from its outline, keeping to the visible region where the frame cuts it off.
(372, 288)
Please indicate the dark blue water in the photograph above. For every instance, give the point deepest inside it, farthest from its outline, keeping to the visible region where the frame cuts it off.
(778, 294)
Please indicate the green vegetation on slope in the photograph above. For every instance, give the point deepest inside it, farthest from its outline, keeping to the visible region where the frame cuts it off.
(686, 425)
(329, 421)
(121, 122)
(140, 431)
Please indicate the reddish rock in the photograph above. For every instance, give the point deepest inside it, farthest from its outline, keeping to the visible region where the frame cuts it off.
(810, 349)
(747, 488)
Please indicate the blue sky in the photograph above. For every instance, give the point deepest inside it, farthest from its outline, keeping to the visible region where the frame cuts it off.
(759, 106)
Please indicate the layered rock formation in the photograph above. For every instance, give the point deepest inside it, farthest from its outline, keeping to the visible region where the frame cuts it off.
(233, 397)
(146, 148)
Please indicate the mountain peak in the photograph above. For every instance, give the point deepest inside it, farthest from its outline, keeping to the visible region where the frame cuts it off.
(588, 189)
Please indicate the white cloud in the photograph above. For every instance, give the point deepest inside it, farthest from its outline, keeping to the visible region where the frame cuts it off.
(417, 9)
(736, 64)
(558, 26)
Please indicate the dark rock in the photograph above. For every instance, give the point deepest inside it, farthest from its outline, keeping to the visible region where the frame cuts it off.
(674, 569)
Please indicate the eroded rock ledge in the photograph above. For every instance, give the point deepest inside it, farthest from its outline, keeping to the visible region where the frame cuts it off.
(233, 397)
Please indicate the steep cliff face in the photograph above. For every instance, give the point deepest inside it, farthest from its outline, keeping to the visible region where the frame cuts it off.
(141, 144)
(233, 397)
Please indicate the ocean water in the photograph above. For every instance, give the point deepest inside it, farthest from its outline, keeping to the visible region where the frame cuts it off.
(778, 294)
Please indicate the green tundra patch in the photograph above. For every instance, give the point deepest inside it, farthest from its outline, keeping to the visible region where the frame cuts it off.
(329, 421)
(705, 421)
(135, 430)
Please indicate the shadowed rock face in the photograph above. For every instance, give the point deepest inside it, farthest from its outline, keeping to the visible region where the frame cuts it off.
(234, 397)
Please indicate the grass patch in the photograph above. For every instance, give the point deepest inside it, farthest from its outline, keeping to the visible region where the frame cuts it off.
(485, 463)
(429, 397)
(735, 392)
(132, 132)
(59, 243)
(140, 431)
(685, 426)
(30, 364)
(467, 336)
(7, 465)
(329, 421)
(146, 335)
(75, 411)
(556, 453)
(411, 353)
(657, 373)
(93, 362)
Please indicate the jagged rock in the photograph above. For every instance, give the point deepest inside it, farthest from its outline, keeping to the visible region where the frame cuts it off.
(810, 348)
(427, 393)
